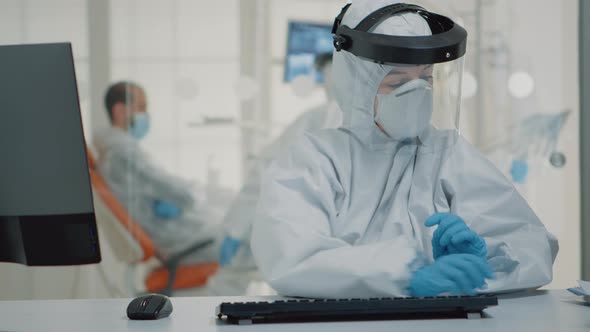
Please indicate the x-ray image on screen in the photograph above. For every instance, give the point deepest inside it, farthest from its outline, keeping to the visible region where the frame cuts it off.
(304, 43)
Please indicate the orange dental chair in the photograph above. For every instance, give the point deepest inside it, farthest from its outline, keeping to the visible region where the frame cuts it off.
(132, 245)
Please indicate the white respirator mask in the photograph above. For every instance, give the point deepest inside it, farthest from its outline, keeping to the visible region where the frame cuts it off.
(406, 111)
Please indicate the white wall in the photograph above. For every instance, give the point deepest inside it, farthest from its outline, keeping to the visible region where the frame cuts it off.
(556, 198)
(185, 54)
(552, 59)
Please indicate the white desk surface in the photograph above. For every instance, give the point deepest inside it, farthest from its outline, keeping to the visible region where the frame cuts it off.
(534, 311)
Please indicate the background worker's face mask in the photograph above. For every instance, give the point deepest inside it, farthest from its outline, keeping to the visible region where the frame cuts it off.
(140, 125)
(406, 111)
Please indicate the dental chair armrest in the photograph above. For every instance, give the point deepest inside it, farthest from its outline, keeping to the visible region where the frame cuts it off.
(172, 262)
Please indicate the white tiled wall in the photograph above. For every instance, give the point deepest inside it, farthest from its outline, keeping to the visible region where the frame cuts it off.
(39, 21)
(36, 21)
(185, 54)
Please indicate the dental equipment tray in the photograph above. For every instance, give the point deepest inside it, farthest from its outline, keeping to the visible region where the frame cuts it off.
(314, 310)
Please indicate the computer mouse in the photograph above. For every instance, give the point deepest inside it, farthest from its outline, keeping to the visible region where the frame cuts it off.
(151, 306)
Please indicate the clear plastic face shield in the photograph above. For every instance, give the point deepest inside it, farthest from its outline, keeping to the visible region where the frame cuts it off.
(420, 88)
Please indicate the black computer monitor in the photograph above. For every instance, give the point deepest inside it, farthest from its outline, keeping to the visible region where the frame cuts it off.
(46, 209)
(305, 42)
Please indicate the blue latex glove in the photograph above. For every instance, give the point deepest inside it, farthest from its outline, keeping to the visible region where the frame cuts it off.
(453, 236)
(229, 248)
(519, 170)
(166, 210)
(458, 274)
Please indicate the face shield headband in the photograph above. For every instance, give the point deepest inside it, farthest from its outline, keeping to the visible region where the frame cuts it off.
(447, 42)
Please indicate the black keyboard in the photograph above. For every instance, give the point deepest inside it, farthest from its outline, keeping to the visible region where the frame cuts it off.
(310, 310)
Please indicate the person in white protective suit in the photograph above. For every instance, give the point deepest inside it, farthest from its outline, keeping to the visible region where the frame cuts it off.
(395, 202)
(164, 205)
(239, 272)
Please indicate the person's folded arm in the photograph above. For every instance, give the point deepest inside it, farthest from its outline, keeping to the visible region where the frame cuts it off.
(293, 244)
(520, 250)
